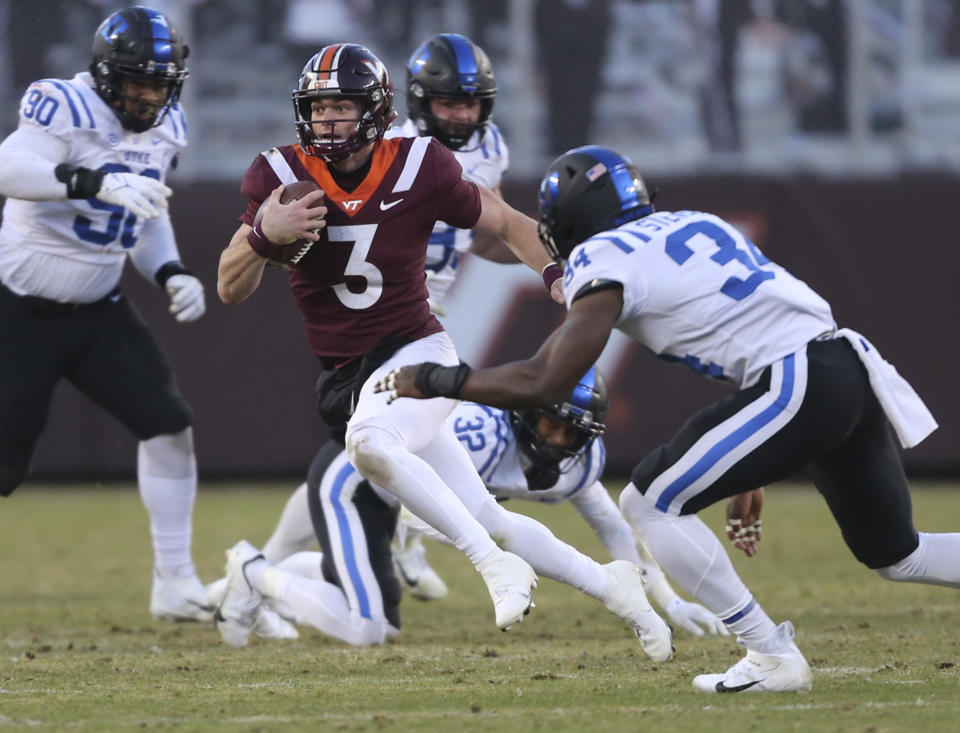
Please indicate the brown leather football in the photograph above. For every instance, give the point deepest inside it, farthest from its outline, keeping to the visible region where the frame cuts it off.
(293, 253)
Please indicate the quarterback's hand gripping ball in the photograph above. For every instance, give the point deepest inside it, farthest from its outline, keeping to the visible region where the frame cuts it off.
(293, 253)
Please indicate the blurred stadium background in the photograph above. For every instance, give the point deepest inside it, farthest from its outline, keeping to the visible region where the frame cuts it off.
(829, 130)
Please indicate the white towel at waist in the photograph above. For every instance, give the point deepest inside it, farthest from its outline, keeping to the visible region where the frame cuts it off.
(905, 410)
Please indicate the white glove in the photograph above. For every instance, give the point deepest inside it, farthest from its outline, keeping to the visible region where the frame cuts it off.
(143, 196)
(687, 615)
(186, 297)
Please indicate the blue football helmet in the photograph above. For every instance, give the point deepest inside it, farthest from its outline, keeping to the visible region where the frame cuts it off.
(583, 411)
(585, 191)
(140, 44)
(449, 66)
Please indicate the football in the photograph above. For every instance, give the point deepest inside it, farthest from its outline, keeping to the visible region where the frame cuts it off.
(293, 253)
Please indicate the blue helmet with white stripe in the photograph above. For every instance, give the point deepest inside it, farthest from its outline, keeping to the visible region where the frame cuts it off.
(582, 415)
(138, 44)
(585, 191)
(449, 66)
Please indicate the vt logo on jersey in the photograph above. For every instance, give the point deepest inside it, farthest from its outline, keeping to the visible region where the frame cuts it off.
(350, 202)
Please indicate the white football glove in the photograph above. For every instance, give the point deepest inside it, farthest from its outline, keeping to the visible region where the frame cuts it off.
(186, 297)
(687, 615)
(143, 196)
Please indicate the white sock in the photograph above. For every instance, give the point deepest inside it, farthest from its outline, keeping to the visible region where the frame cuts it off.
(167, 479)
(305, 564)
(294, 531)
(694, 558)
(547, 555)
(320, 604)
(936, 561)
(381, 458)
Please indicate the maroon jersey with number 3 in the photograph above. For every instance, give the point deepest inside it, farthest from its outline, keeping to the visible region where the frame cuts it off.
(364, 280)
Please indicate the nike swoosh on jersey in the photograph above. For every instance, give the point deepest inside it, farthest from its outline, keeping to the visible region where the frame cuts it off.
(384, 206)
(736, 688)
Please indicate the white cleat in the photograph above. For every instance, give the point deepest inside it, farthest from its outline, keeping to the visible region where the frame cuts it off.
(782, 671)
(179, 598)
(270, 625)
(510, 581)
(215, 591)
(624, 595)
(410, 561)
(238, 611)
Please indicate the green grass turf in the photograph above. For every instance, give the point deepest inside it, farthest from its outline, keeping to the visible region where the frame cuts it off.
(79, 651)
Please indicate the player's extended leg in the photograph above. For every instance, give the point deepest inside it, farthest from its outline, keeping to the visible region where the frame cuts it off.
(125, 372)
(618, 585)
(34, 349)
(865, 486)
(381, 441)
(292, 535)
(693, 556)
(354, 597)
(748, 439)
(167, 479)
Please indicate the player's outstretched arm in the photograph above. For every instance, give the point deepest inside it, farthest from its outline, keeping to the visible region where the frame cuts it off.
(540, 381)
(32, 168)
(491, 247)
(519, 232)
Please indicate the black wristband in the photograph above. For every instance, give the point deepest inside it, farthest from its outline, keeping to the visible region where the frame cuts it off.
(82, 183)
(168, 270)
(434, 380)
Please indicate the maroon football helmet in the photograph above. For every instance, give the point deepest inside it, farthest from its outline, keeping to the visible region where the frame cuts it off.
(344, 70)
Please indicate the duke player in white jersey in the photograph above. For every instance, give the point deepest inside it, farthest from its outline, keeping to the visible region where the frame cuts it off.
(557, 455)
(83, 177)
(362, 606)
(692, 289)
(451, 89)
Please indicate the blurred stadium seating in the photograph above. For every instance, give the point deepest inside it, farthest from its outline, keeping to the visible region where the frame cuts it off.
(851, 87)
(829, 130)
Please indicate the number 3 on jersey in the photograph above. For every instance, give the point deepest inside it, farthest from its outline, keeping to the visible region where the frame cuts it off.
(679, 250)
(357, 266)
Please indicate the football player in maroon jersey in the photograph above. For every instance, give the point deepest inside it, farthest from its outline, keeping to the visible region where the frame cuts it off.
(364, 301)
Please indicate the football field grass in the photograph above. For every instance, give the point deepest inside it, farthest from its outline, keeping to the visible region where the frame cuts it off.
(79, 651)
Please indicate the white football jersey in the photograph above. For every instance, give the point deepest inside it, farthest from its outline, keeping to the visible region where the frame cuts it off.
(74, 249)
(696, 291)
(484, 162)
(488, 436)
